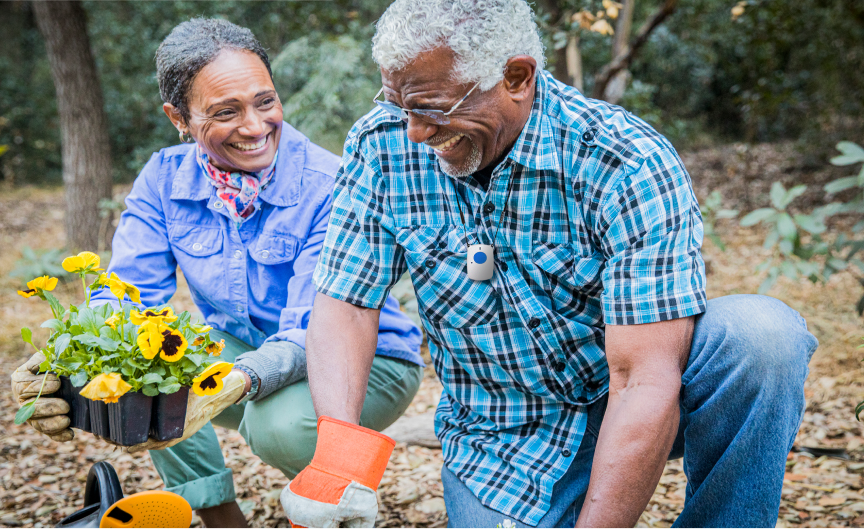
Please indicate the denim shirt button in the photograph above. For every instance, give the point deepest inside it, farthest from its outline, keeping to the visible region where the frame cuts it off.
(218, 204)
(264, 254)
(238, 308)
(196, 246)
(238, 254)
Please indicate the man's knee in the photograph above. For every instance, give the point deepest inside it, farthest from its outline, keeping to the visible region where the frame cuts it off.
(759, 335)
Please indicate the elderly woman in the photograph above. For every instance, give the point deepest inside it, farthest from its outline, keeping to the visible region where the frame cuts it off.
(242, 208)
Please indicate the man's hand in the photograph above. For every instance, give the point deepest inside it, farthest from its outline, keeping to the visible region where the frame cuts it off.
(199, 410)
(50, 414)
(642, 418)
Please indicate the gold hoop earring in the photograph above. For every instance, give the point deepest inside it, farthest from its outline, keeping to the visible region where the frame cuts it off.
(186, 137)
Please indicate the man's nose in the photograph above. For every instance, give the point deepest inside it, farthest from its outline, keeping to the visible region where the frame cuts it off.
(419, 130)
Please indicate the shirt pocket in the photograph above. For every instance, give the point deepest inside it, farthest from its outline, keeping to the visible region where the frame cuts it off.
(572, 280)
(271, 249)
(198, 252)
(195, 240)
(436, 260)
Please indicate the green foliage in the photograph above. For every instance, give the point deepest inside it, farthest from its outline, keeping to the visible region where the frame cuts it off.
(711, 210)
(327, 83)
(800, 241)
(41, 263)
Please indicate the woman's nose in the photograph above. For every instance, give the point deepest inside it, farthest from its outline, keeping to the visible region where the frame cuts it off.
(418, 130)
(253, 124)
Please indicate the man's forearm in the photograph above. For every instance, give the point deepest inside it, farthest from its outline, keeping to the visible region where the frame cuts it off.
(636, 436)
(340, 347)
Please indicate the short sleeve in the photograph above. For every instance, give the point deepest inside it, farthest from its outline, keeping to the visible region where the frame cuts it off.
(652, 234)
(360, 260)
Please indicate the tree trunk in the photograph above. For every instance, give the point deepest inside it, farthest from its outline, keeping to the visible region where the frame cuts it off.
(575, 62)
(83, 126)
(617, 85)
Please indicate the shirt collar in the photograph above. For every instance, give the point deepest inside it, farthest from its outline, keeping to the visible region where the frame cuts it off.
(535, 147)
(190, 182)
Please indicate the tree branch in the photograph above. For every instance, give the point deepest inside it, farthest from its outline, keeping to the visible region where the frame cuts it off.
(623, 60)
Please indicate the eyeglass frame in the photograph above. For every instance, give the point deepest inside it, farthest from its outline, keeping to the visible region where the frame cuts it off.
(438, 117)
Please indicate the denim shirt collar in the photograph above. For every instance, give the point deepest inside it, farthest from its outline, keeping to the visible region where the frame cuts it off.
(190, 182)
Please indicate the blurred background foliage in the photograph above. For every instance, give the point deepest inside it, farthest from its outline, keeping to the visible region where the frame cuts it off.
(780, 70)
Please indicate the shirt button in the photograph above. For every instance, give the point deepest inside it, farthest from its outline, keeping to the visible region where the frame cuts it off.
(589, 135)
(264, 254)
(534, 323)
(218, 204)
(238, 308)
(566, 452)
(196, 246)
(489, 208)
(559, 366)
(430, 263)
(238, 254)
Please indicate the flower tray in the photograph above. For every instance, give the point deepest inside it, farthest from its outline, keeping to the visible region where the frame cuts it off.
(79, 407)
(129, 418)
(99, 418)
(169, 415)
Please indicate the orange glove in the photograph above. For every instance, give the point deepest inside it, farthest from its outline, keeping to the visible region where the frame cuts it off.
(338, 487)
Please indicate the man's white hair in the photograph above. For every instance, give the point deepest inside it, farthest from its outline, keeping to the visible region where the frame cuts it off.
(483, 34)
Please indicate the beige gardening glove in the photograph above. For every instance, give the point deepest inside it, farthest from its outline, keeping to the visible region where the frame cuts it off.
(50, 416)
(199, 411)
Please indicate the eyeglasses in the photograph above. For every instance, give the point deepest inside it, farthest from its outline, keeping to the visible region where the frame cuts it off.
(436, 117)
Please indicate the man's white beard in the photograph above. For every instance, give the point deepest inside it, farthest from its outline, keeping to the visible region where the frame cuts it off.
(466, 168)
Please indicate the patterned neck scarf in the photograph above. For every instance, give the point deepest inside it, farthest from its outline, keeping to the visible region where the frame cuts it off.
(238, 191)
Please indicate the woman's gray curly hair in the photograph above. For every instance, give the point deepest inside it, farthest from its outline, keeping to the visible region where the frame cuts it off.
(483, 34)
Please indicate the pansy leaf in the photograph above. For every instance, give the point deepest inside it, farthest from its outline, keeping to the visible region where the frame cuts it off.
(159, 370)
(27, 335)
(169, 385)
(88, 319)
(61, 343)
(151, 378)
(54, 324)
(78, 379)
(109, 333)
(24, 413)
(56, 307)
(127, 370)
(97, 341)
(150, 390)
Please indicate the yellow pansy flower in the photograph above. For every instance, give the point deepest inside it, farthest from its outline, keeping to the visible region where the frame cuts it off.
(165, 315)
(174, 344)
(35, 286)
(113, 321)
(215, 348)
(149, 339)
(120, 288)
(209, 382)
(200, 329)
(101, 281)
(197, 341)
(83, 262)
(107, 387)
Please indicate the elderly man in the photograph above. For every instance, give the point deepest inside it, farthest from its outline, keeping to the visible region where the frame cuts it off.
(554, 245)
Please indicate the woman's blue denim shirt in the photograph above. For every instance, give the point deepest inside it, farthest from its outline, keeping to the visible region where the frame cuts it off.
(253, 281)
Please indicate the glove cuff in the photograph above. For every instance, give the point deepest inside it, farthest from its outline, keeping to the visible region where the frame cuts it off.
(351, 452)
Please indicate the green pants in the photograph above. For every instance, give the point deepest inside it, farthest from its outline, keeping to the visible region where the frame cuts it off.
(280, 429)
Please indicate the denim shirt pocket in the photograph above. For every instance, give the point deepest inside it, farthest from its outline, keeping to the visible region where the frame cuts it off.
(273, 249)
(195, 240)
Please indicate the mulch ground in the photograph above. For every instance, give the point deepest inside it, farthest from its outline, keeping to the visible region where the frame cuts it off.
(42, 481)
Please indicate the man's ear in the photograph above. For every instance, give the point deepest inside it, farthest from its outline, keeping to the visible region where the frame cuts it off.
(175, 117)
(520, 76)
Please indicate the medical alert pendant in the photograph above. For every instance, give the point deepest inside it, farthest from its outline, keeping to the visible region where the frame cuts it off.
(481, 258)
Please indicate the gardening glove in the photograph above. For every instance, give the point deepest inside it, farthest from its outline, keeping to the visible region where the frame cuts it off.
(199, 411)
(50, 414)
(338, 488)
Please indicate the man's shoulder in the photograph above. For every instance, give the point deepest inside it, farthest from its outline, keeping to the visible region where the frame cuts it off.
(378, 130)
(597, 123)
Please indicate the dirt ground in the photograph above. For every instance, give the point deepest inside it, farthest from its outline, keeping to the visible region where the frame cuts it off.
(42, 481)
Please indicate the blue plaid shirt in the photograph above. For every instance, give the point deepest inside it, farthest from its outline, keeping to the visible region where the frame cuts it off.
(601, 227)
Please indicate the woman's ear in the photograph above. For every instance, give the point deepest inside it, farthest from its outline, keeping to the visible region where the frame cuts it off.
(175, 117)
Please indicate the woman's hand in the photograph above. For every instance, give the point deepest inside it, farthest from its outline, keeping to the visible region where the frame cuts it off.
(50, 414)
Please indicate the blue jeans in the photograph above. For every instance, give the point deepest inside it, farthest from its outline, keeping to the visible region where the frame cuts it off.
(741, 403)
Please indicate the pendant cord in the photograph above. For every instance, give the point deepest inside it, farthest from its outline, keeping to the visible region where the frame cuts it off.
(502, 216)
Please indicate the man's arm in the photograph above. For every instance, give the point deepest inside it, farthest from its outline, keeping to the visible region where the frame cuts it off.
(639, 427)
(340, 347)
